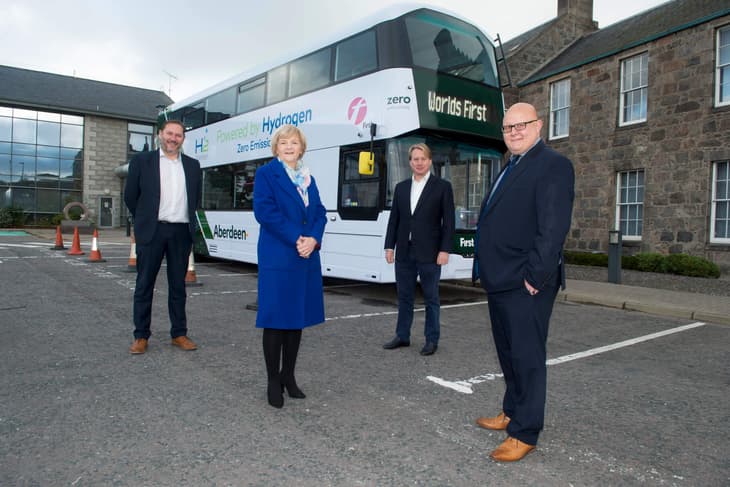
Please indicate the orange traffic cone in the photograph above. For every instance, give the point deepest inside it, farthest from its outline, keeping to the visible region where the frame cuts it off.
(95, 255)
(132, 262)
(76, 244)
(59, 240)
(190, 277)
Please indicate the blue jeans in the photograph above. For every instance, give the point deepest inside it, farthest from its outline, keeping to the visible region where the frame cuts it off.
(406, 273)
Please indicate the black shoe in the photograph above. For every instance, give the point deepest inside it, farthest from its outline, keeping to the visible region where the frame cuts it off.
(429, 348)
(292, 388)
(274, 393)
(396, 343)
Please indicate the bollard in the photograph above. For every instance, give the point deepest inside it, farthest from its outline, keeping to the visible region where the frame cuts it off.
(614, 256)
(129, 226)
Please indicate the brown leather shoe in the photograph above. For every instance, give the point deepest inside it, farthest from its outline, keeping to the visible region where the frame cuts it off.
(511, 450)
(138, 346)
(185, 343)
(499, 422)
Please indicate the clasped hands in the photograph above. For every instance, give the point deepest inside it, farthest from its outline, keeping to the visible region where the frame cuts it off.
(305, 246)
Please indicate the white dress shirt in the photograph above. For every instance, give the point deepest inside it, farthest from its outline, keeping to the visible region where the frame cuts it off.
(173, 195)
(417, 189)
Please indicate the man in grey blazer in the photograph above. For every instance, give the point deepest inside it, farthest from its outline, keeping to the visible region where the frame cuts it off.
(162, 192)
(421, 232)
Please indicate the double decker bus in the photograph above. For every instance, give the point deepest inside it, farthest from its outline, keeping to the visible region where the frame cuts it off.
(404, 77)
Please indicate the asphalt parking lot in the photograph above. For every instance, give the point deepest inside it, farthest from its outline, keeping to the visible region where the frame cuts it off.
(633, 398)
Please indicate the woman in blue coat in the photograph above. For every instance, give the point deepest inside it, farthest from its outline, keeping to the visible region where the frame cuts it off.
(286, 204)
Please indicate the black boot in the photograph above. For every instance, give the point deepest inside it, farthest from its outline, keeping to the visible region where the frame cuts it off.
(291, 340)
(272, 341)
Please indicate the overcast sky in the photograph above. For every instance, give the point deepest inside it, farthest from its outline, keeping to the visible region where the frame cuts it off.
(183, 46)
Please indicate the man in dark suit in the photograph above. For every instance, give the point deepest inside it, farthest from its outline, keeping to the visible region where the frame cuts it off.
(421, 230)
(520, 235)
(162, 193)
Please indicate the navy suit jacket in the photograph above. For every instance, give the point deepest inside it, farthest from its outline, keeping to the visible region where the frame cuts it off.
(520, 235)
(431, 226)
(142, 192)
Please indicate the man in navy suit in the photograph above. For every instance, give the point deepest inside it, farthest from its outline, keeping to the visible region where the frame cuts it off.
(421, 230)
(162, 193)
(520, 235)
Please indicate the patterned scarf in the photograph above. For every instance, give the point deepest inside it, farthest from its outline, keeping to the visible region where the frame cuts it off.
(300, 177)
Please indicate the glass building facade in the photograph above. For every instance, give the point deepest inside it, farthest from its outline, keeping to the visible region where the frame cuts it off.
(41, 161)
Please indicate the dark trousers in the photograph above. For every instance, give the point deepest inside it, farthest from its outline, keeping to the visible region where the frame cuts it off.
(520, 328)
(406, 273)
(172, 242)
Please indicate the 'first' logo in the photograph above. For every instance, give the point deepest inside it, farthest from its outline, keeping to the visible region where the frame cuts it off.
(357, 110)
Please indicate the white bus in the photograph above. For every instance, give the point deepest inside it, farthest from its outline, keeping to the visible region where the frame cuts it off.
(408, 76)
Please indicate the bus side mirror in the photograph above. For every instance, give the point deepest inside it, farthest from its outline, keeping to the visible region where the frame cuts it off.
(366, 166)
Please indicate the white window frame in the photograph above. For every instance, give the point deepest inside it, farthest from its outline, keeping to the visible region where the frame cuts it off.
(718, 199)
(722, 67)
(559, 109)
(626, 204)
(634, 83)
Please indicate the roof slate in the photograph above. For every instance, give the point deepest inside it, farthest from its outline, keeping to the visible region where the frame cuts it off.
(641, 28)
(40, 90)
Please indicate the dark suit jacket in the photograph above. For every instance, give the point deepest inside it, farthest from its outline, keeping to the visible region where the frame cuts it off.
(431, 226)
(142, 192)
(520, 235)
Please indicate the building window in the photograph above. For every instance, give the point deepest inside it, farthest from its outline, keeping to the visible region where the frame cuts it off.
(560, 109)
(41, 161)
(720, 221)
(722, 76)
(140, 138)
(634, 88)
(630, 204)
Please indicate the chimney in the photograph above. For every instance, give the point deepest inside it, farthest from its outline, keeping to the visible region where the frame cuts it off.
(580, 10)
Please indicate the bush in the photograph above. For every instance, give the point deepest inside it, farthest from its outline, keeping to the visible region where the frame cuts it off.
(689, 265)
(585, 258)
(11, 216)
(649, 262)
(680, 264)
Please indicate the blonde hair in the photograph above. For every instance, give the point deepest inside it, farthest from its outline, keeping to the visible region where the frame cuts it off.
(426, 150)
(287, 132)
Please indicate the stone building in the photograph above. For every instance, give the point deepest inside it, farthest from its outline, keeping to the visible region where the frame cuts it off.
(61, 139)
(642, 107)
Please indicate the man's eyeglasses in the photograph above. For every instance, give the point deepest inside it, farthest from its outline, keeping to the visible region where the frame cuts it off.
(519, 126)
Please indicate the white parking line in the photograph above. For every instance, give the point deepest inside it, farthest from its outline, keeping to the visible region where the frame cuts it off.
(395, 312)
(465, 386)
(24, 245)
(221, 293)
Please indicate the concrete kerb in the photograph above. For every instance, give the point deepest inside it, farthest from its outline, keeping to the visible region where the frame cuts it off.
(711, 317)
(607, 301)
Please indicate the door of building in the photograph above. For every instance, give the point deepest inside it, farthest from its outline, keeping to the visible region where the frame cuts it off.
(106, 211)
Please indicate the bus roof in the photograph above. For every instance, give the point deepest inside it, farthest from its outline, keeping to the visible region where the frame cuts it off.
(388, 13)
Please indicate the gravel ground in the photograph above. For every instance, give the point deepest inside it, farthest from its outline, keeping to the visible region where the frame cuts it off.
(671, 282)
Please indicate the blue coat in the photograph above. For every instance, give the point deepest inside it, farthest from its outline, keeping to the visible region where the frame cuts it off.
(289, 287)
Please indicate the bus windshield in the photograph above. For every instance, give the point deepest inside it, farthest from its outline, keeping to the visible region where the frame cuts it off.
(469, 168)
(450, 46)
